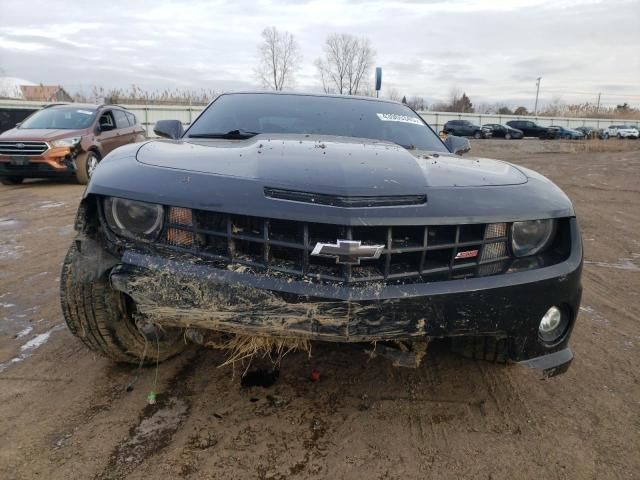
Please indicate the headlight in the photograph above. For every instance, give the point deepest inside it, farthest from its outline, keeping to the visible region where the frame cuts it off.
(132, 219)
(531, 237)
(66, 142)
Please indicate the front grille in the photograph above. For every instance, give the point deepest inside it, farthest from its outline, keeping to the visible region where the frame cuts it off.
(28, 148)
(411, 253)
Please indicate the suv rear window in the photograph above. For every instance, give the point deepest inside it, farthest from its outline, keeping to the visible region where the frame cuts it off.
(317, 115)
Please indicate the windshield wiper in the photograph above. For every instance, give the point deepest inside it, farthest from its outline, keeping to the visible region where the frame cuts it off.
(238, 134)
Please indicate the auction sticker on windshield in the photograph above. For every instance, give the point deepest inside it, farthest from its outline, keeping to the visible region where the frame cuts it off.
(392, 117)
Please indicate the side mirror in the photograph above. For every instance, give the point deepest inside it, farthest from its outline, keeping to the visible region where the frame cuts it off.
(457, 145)
(168, 129)
(18, 125)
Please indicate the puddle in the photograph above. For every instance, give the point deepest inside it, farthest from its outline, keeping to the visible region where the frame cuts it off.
(66, 230)
(28, 348)
(154, 432)
(11, 252)
(10, 224)
(260, 378)
(594, 314)
(622, 264)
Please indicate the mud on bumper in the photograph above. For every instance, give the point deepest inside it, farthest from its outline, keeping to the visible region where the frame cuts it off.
(173, 292)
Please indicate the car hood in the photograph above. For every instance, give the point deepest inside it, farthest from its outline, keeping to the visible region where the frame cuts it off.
(39, 134)
(327, 164)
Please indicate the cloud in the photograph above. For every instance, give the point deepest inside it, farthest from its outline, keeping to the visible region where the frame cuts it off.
(491, 50)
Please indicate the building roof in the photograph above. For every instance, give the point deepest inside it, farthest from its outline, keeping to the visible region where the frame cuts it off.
(10, 87)
(45, 93)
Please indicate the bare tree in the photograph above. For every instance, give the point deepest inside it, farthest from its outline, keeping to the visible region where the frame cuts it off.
(347, 61)
(394, 95)
(279, 56)
(417, 103)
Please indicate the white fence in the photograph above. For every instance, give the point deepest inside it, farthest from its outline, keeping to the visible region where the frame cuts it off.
(148, 115)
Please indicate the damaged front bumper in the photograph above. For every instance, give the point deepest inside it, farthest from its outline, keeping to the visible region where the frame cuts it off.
(55, 162)
(173, 292)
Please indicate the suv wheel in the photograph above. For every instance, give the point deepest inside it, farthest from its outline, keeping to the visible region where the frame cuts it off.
(11, 180)
(507, 136)
(101, 318)
(477, 134)
(86, 163)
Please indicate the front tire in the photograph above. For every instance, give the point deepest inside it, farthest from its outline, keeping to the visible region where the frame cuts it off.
(100, 317)
(477, 135)
(86, 163)
(11, 180)
(507, 136)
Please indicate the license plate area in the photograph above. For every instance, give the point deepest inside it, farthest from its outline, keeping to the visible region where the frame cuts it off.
(19, 160)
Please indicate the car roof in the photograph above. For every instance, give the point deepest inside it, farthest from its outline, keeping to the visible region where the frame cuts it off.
(85, 106)
(310, 94)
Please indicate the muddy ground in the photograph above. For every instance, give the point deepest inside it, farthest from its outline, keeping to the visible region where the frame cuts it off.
(65, 414)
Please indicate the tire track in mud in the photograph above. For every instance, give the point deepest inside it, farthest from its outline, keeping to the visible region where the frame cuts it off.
(157, 424)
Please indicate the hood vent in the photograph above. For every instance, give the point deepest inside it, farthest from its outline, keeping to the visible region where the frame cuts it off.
(345, 201)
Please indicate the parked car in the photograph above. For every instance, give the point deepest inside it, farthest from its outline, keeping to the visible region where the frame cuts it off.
(532, 129)
(464, 128)
(623, 131)
(567, 133)
(590, 132)
(65, 140)
(504, 131)
(297, 217)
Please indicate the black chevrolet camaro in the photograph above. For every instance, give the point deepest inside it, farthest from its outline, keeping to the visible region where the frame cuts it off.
(320, 217)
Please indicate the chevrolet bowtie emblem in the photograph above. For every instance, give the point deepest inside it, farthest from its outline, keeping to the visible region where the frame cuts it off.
(348, 252)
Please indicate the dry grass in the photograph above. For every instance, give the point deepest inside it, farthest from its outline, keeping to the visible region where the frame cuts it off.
(245, 348)
(596, 145)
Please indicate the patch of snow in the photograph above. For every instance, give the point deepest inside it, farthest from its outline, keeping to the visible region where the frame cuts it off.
(49, 204)
(24, 332)
(28, 348)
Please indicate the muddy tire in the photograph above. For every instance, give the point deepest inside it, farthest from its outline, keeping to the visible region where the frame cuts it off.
(85, 165)
(491, 349)
(99, 316)
(11, 180)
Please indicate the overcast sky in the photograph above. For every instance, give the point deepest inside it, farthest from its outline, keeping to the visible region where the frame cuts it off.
(492, 49)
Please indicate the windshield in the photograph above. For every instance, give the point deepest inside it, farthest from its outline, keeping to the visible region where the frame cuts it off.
(60, 118)
(316, 115)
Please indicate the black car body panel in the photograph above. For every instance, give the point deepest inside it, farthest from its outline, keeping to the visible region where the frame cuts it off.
(532, 129)
(507, 195)
(465, 128)
(249, 186)
(502, 131)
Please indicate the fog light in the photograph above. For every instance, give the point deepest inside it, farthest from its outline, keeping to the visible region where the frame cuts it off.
(553, 325)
